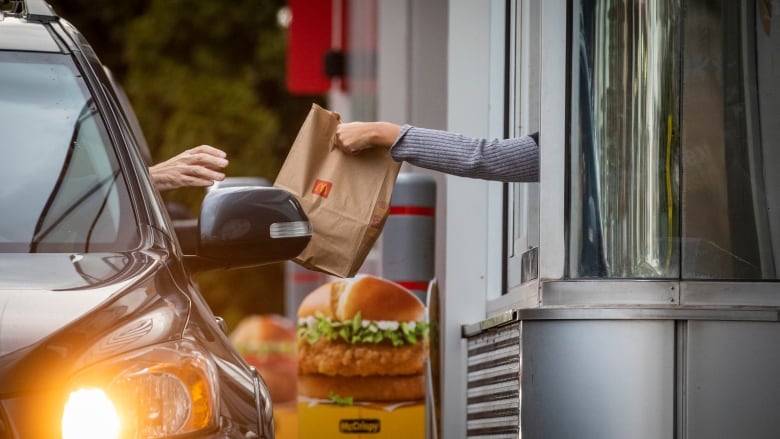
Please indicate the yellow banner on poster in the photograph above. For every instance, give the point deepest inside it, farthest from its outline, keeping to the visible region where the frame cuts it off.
(286, 421)
(330, 421)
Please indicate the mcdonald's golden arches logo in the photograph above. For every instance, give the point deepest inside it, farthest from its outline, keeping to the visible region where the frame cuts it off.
(322, 188)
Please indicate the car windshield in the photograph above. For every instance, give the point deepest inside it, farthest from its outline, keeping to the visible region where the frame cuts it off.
(61, 186)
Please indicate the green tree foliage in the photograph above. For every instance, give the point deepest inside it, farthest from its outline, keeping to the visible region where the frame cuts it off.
(205, 72)
(213, 72)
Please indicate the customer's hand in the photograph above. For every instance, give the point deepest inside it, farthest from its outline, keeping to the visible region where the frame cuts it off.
(199, 167)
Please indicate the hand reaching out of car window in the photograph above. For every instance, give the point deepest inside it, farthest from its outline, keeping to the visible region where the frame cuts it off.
(199, 167)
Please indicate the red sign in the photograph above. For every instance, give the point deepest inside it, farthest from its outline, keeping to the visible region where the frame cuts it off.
(310, 37)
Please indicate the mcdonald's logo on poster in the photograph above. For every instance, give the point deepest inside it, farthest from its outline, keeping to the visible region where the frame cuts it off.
(322, 188)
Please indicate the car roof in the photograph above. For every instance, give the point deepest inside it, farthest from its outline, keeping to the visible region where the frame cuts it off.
(17, 34)
(23, 28)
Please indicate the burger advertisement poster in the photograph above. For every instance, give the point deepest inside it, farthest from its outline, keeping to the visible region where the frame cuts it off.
(362, 348)
(269, 342)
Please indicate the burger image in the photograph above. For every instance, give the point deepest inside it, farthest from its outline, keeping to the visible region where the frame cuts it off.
(362, 339)
(268, 343)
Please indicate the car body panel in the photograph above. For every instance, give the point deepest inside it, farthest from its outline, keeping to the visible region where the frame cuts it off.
(58, 290)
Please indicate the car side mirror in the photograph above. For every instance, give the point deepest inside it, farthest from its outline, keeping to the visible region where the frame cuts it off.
(247, 226)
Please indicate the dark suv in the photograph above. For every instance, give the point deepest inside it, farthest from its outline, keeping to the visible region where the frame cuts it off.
(102, 332)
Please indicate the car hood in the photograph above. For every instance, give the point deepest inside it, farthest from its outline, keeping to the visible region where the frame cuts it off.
(73, 311)
(42, 293)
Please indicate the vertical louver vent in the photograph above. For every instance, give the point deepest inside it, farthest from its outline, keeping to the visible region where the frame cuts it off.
(493, 383)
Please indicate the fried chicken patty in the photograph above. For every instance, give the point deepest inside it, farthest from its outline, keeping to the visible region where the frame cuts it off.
(338, 358)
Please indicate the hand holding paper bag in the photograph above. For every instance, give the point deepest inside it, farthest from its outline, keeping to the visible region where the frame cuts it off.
(346, 197)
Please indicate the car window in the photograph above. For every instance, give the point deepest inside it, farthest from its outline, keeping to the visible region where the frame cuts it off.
(61, 186)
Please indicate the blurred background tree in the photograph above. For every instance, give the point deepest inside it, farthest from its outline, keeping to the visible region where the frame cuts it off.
(201, 72)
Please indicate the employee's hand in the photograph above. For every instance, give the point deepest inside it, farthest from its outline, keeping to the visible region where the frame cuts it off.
(199, 167)
(354, 137)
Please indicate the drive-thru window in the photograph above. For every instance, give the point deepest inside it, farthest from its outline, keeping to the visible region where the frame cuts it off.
(632, 291)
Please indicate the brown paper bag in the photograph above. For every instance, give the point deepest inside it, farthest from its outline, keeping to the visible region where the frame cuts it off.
(346, 197)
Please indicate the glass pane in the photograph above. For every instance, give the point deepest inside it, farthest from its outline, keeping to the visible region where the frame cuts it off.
(731, 140)
(61, 188)
(624, 147)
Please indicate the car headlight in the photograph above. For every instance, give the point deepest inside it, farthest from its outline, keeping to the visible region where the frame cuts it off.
(103, 421)
(160, 391)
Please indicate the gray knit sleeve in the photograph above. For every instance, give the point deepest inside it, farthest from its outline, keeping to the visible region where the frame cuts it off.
(508, 160)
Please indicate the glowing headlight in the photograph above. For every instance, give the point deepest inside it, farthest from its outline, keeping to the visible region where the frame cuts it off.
(160, 391)
(89, 414)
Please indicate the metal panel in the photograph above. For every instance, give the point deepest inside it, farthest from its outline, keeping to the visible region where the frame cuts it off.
(574, 293)
(730, 293)
(552, 139)
(660, 293)
(598, 379)
(732, 382)
(468, 60)
(622, 313)
(522, 211)
(493, 383)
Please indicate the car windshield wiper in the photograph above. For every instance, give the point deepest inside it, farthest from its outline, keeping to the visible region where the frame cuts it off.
(40, 233)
